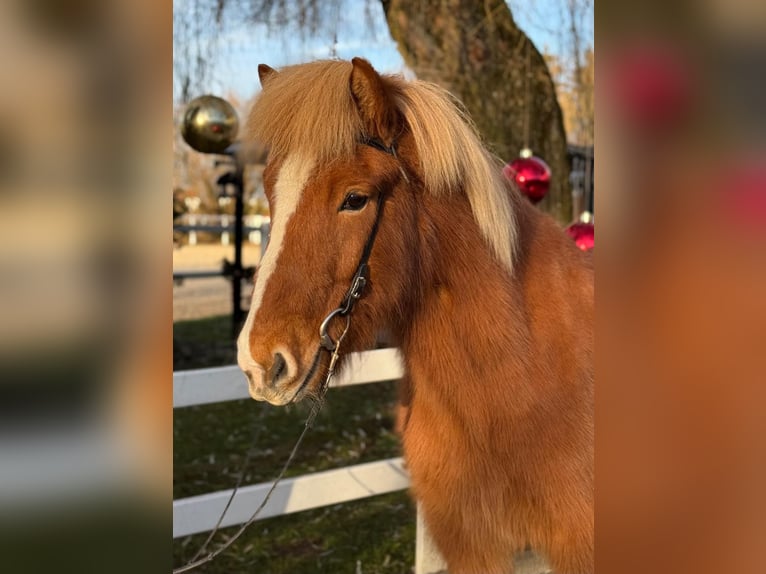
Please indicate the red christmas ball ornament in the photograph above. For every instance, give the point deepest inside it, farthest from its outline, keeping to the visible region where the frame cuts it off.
(653, 85)
(530, 174)
(742, 194)
(583, 233)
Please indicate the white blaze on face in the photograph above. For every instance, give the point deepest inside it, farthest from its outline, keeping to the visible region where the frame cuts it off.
(292, 178)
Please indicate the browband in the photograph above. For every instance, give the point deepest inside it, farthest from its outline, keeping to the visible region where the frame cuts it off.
(379, 145)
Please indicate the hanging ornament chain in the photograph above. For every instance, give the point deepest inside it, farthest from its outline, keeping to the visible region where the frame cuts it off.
(526, 151)
(531, 174)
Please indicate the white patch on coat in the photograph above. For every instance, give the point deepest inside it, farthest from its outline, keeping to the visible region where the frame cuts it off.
(293, 175)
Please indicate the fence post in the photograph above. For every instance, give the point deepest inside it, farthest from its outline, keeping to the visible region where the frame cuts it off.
(265, 230)
(429, 561)
(253, 236)
(427, 557)
(192, 233)
(225, 240)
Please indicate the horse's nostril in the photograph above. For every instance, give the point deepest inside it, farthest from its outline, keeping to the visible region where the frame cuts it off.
(278, 368)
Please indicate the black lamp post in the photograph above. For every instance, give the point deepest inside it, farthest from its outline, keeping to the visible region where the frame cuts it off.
(210, 126)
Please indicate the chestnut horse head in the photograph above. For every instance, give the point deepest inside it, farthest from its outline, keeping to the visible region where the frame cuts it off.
(353, 155)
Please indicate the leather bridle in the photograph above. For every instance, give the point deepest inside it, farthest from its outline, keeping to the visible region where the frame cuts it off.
(356, 290)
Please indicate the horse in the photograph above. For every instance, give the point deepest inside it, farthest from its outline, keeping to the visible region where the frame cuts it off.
(384, 198)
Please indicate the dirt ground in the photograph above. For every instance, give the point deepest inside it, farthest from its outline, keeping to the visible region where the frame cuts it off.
(199, 298)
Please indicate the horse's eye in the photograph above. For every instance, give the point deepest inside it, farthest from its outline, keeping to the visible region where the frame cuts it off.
(354, 202)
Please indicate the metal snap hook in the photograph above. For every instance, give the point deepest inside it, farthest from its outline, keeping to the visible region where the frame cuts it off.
(324, 338)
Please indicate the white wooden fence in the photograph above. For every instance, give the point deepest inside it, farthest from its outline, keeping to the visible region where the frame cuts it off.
(200, 513)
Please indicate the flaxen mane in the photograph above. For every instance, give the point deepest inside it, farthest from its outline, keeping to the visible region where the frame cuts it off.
(308, 110)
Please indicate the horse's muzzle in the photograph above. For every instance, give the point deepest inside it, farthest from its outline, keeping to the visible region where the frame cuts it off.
(274, 384)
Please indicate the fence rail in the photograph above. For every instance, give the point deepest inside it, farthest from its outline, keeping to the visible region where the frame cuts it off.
(216, 228)
(220, 384)
(200, 513)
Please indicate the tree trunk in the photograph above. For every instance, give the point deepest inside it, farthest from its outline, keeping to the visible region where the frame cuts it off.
(475, 50)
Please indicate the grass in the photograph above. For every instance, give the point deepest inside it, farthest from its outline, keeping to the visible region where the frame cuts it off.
(355, 426)
(203, 343)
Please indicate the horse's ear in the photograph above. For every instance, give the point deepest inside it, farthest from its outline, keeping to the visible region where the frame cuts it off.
(380, 116)
(265, 73)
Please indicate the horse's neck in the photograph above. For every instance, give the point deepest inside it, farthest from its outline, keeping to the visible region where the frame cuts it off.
(488, 342)
(470, 312)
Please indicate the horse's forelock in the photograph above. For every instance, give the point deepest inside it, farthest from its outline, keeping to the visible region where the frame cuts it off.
(308, 110)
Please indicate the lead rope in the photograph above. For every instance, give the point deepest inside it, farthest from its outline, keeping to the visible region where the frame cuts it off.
(241, 477)
(315, 408)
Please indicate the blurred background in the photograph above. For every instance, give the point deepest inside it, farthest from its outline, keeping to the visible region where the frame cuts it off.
(85, 302)
(681, 278)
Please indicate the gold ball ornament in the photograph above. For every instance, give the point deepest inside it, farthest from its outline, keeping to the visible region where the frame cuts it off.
(210, 124)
